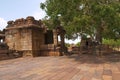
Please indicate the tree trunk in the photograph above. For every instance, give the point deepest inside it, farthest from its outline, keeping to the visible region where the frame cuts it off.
(99, 40)
(62, 42)
(82, 45)
(99, 35)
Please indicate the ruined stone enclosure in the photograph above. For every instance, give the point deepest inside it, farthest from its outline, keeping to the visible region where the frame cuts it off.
(32, 38)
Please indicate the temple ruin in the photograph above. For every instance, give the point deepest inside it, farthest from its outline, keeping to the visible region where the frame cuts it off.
(32, 38)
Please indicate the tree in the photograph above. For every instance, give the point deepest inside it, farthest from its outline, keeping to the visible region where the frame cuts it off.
(96, 18)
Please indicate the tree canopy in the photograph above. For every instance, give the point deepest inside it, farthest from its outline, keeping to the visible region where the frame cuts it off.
(96, 18)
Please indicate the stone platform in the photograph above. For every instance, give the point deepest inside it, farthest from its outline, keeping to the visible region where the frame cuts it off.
(82, 67)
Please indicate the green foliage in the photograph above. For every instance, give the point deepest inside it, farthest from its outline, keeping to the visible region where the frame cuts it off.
(48, 23)
(111, 42)
(67, 44)
(90, 17)
(78, 44)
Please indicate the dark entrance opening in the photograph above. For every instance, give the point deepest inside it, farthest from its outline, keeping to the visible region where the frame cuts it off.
(49, 37)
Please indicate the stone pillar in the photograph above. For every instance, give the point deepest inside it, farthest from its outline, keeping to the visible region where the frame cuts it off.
(55, 37)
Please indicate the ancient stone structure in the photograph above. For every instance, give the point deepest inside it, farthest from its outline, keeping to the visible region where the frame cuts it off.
(2, 36)
(32, 38)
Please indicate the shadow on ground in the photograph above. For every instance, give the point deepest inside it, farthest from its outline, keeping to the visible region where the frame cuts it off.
(90, 58)
(8, 57)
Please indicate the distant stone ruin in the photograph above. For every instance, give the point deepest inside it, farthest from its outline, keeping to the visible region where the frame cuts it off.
(32, 38)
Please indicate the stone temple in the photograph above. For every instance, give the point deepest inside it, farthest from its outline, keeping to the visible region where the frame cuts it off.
(32, 38)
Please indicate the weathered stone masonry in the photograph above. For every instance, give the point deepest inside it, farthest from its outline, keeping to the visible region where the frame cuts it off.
(31, 37)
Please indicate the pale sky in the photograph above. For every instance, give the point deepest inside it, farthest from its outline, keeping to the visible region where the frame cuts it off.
(15, 9)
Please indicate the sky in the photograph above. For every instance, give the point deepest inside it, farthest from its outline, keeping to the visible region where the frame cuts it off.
(15, 9)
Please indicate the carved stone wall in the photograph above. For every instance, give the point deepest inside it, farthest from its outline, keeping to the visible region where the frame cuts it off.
(37, 41)
(28, 35)
(12, 38)
(25, 35)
